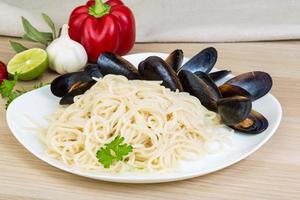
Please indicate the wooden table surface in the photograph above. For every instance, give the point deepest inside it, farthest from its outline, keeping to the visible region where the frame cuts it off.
(273, 172)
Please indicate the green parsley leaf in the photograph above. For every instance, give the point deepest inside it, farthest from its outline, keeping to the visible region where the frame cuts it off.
(7, 86)
(114, 151)
(7, 89)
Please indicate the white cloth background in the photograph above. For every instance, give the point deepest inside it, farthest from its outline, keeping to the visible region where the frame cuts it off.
(176, 20)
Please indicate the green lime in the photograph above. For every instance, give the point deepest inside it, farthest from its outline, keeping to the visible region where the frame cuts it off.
(29, 64)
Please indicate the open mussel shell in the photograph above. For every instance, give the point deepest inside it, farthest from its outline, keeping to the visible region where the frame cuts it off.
(61, 85)
(69, 97)
(232, 90)
(110, 63)
(257, 83)
(203, 61)
(234, 110)
(218, 75)
(175, 59)
(255, 123)
(203, 88)
(155, 68)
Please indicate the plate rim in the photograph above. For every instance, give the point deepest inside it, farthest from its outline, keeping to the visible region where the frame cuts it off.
(137, 179)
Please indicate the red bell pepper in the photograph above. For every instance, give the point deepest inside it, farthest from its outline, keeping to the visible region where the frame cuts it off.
(103, 27)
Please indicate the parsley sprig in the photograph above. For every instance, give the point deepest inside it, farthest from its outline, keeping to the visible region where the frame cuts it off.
(7, 86)
(8, 91)
(114, 151)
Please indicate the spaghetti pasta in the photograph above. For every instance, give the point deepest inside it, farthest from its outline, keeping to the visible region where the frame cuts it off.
(162, 126)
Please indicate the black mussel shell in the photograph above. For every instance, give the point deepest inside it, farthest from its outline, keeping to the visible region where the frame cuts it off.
(203, 88)
(206, 78)
(155, 68)
(257, 83)
(110, 63)
(234, 110)
(69, 97)
(93, 71)
(232, 90)
(61, 85)
(175, 59)
(203, 61)
(255, 123)
(218, 75)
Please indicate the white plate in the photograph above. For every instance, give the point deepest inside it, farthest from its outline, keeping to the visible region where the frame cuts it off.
(37, 104)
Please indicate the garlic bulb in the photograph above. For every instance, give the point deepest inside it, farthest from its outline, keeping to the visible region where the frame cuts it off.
(66, 55)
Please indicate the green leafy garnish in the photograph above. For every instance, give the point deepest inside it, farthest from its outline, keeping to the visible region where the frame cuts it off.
(7, 86)
(32, 33)
(48, 36)
(26, 37)
(7, 89)
(50, 23)
(17, 46)
(114, 151)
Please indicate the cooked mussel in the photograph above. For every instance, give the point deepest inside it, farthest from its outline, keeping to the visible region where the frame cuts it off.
(206, 78)
(175, 59)
(155, 68)
(110, 63)
(62, 84)
(204, 61)
(232, 90)
(203, 88)
(69, 97)
(218, 75)
(93, 71)
(255, 123)
(234, 110)
(256, 83)
(236, 113)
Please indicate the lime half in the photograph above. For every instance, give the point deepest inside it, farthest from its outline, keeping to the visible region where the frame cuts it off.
(29, 64)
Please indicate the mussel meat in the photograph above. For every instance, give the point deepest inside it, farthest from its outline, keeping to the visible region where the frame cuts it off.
(175, 59)
(155, 68)
(255, 123)
(232, 90)
(110, 63)
(203, 88)
(203, 61)
(256, 83)
(234, 110)
(218, 75)
(69, 97)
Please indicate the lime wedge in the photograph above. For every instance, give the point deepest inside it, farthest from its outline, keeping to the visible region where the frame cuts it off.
(29, 64)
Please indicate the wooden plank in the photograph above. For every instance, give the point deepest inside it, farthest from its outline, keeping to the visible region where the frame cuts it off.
(270, 173)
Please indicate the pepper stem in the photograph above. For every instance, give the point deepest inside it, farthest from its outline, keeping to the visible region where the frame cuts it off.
(99, 9)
